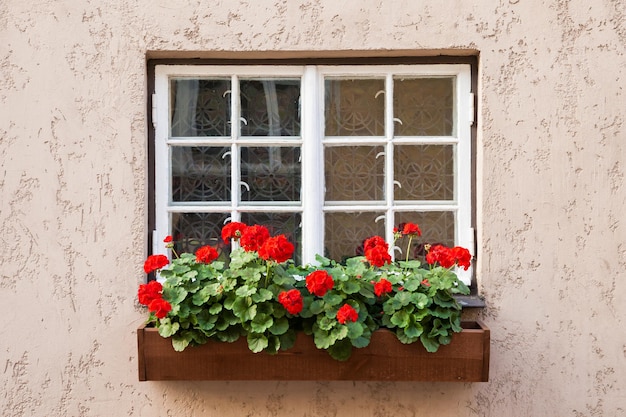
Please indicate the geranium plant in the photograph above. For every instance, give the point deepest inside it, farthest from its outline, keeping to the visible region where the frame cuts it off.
(260, 294)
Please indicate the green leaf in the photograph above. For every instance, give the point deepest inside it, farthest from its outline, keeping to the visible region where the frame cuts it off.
(339, 332)
(215, 308)
(201, 296)
(180, 343)
(420, 300)
(400, 318)
(326, 323)
(413, 330)
(322, 339)
(279, 326)
(175, 295)
(355, 330)
(262, 295)
(317, 306)
(287, 339)
(341, 351)
(332, 298)
(168, 329)
(261, 322)
(257, 342)
(430, 344)
(245, 291)
(350, 287)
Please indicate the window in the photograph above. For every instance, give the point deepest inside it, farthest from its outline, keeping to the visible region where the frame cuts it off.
(328, 155)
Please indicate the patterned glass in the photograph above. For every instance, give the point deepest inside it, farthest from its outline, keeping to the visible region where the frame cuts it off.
(200, 107)
(437, 228)
(200, 173)
(345, 233)
(425, 172)
(354, 173)
(354, 107)
(271, 173)
(270, 107)
(192, 230)
(424, 106)
(288, 224)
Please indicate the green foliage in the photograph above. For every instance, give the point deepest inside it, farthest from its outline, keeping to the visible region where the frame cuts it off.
(224, 303)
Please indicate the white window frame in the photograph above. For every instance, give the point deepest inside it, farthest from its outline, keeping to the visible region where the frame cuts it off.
(312, 141)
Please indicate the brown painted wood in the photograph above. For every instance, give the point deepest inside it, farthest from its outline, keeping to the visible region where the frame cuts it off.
(465, 359)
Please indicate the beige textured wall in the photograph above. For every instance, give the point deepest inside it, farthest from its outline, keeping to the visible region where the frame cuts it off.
(551, 199)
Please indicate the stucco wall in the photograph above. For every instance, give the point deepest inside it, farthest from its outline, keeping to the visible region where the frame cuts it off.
(551, 198)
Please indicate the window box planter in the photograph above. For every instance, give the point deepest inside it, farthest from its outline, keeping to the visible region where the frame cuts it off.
(465, 359)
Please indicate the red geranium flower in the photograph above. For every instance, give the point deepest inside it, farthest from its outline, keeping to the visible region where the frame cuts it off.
(149, 292)
(291, 300)
(378, 255)
(425, 282)
(373, 242)
(382, 287)
(233, 230)
(411, 229)
(206, 254)
(462, 256)
(168, 239)
(160, 307)
(319, 282)
(441, 255)
(155, 262)
(276, 248)
(252, 237)
(347, 313)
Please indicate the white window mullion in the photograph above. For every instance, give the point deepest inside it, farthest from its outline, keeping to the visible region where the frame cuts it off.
(462, 159)
(163, 168)
(235, 152)
(311, 102)
(389, 171)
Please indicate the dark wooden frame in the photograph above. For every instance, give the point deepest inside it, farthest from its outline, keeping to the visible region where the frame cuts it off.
(465, 359)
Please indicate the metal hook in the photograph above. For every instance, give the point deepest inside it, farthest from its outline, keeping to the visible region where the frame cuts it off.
(379, 218)
(245, 122)
(379, 92)
(396, 182)
(395, 119)
(379, 154)
(226, 154)
(245, 185)
(227, 92)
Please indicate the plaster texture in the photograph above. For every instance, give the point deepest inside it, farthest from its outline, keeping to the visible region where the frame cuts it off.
(550, 192)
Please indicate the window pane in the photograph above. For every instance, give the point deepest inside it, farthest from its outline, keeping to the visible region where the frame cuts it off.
(424, 105)
(271, 173)
(270, 107)
(345, 233)
(192, 230)
(200, 173)
(425, 172)
(200, 107)
(354, 173)
(437, 229)
(354, 108)
(288, 224)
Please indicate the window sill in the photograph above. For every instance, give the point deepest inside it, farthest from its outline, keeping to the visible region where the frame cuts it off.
(465, 359)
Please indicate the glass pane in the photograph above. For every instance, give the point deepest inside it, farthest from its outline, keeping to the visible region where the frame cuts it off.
(192, 230)
(271, 173)
(354, 173)
(200, 107)
(437, 229)
(288, 224)
(354, 107)
(424, 105)
(200, 173)
(345, 233)
(270, 107)
(425, 172)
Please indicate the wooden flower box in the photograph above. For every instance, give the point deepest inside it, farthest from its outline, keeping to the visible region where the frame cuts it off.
(465, 359)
